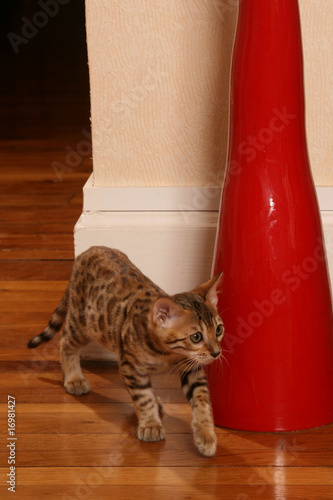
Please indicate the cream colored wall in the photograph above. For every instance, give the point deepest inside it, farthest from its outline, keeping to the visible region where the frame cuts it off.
(317, 22)
(159, 84)
(159, 74)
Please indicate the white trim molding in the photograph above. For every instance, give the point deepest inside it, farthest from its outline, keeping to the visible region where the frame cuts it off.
(155, 199)
(325, 198)
(327, 222)
(117, 199)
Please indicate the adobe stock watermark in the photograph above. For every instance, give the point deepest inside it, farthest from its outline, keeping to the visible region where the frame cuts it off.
(267, 475)
(223, 7)
(131, 99)
(265, 308)
(74, 157)
(40, 360)
(99, 475)
(249, 148)
(201, 200)
(253, 144)
(30, 29)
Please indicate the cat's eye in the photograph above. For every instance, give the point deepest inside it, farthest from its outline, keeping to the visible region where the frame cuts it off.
(219, 330)
(196, 337)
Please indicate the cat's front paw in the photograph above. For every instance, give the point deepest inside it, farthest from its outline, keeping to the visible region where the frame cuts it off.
(151, 433)
(77, 387)
(205, 440)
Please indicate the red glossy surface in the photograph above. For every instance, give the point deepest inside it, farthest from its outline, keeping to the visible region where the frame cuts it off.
(275, 300)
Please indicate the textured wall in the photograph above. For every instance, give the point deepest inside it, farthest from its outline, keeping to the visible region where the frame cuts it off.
(159, 73)
(317, 22)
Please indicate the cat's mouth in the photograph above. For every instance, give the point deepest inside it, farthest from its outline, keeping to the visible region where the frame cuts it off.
(204, 359)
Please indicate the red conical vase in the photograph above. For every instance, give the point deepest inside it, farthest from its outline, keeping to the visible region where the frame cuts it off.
(275, 299)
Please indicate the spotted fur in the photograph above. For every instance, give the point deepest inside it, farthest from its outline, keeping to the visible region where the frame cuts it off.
(110, 301)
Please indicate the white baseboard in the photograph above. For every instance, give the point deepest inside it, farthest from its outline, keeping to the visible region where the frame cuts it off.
(154, 199)
(173, 250)
(169, 233)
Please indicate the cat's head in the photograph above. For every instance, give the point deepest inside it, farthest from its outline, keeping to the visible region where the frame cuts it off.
(189, 324)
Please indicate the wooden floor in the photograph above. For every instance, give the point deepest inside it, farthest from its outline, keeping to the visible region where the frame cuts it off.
(85, 447)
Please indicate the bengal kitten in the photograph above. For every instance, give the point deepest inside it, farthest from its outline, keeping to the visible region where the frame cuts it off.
(109, 300)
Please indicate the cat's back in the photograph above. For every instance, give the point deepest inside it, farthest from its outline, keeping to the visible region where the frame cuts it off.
(100, 263)
(105, 285)
(97, 257)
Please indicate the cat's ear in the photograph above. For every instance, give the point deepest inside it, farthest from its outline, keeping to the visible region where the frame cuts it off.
(208, 290)
(166, 312)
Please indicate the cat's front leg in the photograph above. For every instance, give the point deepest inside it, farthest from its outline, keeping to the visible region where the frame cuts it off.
(195, 388)
(146, 405)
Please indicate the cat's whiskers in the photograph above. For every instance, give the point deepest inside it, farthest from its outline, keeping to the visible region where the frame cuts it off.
(183, 366)
(221, 365)
(220, 361)
(222, 357)
(190, 368)
(175, 368)
(194, 365)
(180, 365)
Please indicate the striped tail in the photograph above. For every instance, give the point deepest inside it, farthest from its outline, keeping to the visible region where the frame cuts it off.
(55, 324)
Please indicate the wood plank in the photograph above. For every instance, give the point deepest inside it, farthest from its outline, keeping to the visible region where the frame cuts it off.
(11, 214)
(33, 241)
(36, 228)
(40, 270)
(30, 296)
(47, 387)
(53, 365)
(314, 446)
(74, 450)
(29, 175)
(17, 335)
(92, 418)
(32, 188)
(18, 318)
(38, 255)
(53, 285)
(21, 354)
(98, 491)
(178, 476)
(107, 369)
(22, 200)
(28, 306)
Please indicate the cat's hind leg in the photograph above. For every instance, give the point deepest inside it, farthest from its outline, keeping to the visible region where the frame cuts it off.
(74, 381)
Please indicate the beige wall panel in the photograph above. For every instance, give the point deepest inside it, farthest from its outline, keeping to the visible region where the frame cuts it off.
(317, 28)
(159, 73)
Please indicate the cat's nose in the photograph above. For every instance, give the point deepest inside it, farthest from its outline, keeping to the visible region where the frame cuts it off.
(215, 354)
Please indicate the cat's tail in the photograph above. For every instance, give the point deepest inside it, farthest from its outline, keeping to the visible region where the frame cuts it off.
(55, 324)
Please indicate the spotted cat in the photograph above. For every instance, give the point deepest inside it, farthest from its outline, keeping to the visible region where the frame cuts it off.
(109, 300)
